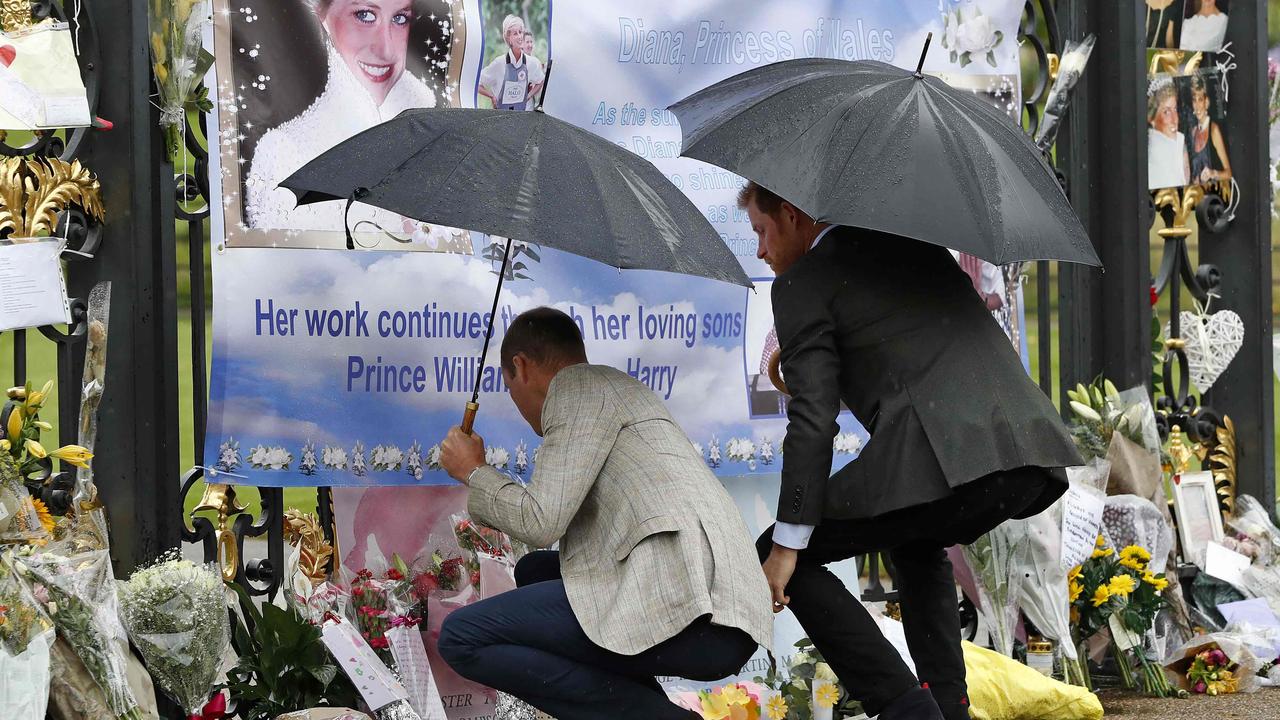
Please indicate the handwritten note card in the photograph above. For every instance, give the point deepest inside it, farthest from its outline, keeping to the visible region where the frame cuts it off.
(1081, 518)
(371, 677)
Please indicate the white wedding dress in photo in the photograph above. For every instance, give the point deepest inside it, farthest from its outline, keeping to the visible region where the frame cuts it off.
(1204, 32)
(341, 111)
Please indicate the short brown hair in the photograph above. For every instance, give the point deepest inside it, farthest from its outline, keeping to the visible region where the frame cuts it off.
(543, 335)
(766, 200)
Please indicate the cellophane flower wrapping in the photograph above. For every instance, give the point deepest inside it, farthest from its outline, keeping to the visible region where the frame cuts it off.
(177, 38)
(489, 558)
(26, 637)
(1043, 594)
(408, 654)
(84, 607)
(992, 559)
(1070, 69)
(176, 613)
(1251, 520)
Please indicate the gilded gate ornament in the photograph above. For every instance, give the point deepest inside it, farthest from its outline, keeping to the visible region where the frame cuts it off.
(15, 14)
(33, 191)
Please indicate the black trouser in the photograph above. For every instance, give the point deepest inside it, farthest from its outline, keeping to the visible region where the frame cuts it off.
(916, 540)
(527, 642)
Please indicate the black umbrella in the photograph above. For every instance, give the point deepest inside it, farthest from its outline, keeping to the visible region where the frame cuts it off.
(870, 145)
(522, 175)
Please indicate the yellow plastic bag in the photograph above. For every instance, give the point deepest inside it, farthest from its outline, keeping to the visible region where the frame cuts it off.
(1001, 688)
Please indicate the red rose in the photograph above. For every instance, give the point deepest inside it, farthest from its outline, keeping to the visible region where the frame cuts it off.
(394, 574)
(475, 578)
(425, 584)
(1155, 296)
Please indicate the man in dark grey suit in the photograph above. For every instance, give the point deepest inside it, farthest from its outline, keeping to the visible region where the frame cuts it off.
(961, 440)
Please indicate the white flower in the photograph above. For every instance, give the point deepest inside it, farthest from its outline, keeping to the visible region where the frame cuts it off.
(766, 451)
(975, 33)
(334, 458)
(948, 31)
(847, 443)
(228, 455)
(393, 457)
(740, 449)
(522, 457)
(258, 456)
(497, 457)
(713, 455)
(433, 457)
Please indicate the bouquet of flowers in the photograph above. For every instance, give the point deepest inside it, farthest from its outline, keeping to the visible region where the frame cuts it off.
(176, 613)
(1044, 595)
(736, 701)
(1122, 593)
(1212, 673)
(1100, 413)
(808, 691)
(482, 544)
(371, 616)
(434, 572)
(992, 559)
(177, 43)
(26, 636)
(23, 519)
(83, 605)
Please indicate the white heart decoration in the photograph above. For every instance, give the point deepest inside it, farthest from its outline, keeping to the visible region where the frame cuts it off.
(1212, 342)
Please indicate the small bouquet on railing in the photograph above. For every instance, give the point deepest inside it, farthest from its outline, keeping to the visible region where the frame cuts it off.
(83, 604)
(26, 637)
(176, 613)
(177, 44)
(1121, 592)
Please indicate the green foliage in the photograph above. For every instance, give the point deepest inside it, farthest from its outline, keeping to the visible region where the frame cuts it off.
(796, 686)
(284, 666)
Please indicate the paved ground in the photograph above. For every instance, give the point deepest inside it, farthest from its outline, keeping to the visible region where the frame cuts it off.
(1125, 705)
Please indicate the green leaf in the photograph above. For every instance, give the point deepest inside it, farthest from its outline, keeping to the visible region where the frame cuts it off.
(965, 60)
(991, 58)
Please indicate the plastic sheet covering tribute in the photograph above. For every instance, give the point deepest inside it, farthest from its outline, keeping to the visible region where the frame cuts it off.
(340, 367)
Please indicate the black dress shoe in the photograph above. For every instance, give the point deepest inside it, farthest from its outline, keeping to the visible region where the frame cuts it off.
(917, 704)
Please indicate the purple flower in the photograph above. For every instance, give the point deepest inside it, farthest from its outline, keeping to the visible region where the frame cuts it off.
(1200, 687)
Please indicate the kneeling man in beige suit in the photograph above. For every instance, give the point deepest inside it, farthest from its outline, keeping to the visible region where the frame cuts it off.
(656, 573)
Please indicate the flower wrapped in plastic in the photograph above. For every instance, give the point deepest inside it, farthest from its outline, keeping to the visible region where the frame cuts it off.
(1045, 594)
(26, 637)
(83, 605)
(1252, 521)
(1216, 664)
(992, 558)
(177, 42)
(176, 613)
(488, 553)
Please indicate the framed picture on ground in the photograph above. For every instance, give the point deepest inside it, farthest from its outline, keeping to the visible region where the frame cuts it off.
(1196, 508)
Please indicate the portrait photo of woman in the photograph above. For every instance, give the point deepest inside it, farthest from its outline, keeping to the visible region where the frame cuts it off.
(1204, 26)
(517, 46)
(1206, 144)
(1168, 163)
(311, 74)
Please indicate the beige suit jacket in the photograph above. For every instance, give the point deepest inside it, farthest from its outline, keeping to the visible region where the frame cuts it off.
(649, 538)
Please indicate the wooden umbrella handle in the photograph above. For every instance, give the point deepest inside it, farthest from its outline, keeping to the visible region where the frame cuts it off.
(775, 372)
(469, 416)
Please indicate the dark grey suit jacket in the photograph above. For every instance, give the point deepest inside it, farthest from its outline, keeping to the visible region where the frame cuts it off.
(894, 329)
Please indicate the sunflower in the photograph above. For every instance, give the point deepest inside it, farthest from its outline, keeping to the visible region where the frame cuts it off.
(42, 512)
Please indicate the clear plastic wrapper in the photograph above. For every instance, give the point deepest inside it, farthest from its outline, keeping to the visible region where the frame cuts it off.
(1245, 664)
(1044, 594)
(1070, 69)
(19, 521)
(992, 558)
(83, 604)
(26, 637)
(1132, 520)
(488, 550)
(89, 521)
(1251, 520)
(1093, 474)
(176, 613)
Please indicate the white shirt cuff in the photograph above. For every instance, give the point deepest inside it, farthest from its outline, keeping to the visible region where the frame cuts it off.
(792, 536)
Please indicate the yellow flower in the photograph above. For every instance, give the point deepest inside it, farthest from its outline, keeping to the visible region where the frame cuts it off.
(1101, 553)
(1100, 542)
(1075, 573)
(1076, 588)
(4, 445)
(1136, 551)
(1122, 585)
(1101, 596)
(827, 695)
(1156, 581)
(73, 454)
(42, 512)
(36, 449)
(42, 424)
(735, 695)
(15, 424)
(714, 706)
(776, 708)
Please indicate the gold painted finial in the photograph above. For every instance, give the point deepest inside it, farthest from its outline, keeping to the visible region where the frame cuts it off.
(221, 499)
